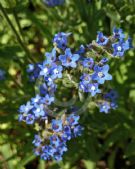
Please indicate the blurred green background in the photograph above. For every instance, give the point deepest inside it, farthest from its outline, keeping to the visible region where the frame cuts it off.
(26, 31)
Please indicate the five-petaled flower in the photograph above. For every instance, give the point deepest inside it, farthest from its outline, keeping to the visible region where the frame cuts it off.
(104, 107)
(88, 63)
(73, 119)
(118, 33)
(57, 125)
(101, 39)
(101, 74)
(60, 39)
(69, 59)
(93, 89)
(120, 47)
(51, 57)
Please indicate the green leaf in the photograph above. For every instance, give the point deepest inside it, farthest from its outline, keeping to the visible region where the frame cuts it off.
(89, 164)
(7, 153)
(112, 13)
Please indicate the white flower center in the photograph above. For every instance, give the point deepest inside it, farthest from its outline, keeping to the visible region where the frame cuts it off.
(93, 88)
(56, 71)
(104, 107)
(100, 74)
(45, 70)
(49, 79)
(119, 48)
(36, 100)
(38, 110)
(26, 109)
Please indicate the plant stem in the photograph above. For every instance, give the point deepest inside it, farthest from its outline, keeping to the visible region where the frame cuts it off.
(16, 17)
(15, 32)
(18, 23)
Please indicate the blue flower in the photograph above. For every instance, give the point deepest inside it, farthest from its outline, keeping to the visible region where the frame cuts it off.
(60, 40)
(113, 105)
(51, 57)
(83, 86)
(49, 81)
(31, 78)
(36, 99)
(34, 71)
(73, 119)
(2, 74)
(85, 78)
(101, 39)
(43, 89)
(93, 89)
(53, 146)
(21, 117)
(111, 98)
(44, 70)
(44, 156)
(54, 140)
(30, 68)
(104, 60)
(46, 152)
(104, 107)
(30, 119)
(120, 48)
(118, 33)
(56, 71)
(101, 74)
(52, 3)
(81, 50)
(37, 140)
(112, 95)
(78, 130)
(25, 108)
(36, 152)
(88, 63)
(39, 110)
(129, 41)
(59, 152)
(47, 99)
(69, 59)
(56, 125)
(62, 148)
(66, 133)
(57, 156)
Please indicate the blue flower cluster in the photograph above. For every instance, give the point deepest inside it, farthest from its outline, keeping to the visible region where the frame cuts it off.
(90, 72)
(99, 74)
(39, 109)
(52, 146)
(118, 43)
(2, 74)
(53, 3)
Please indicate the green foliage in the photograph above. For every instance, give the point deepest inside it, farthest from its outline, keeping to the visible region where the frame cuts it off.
(107, 137)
